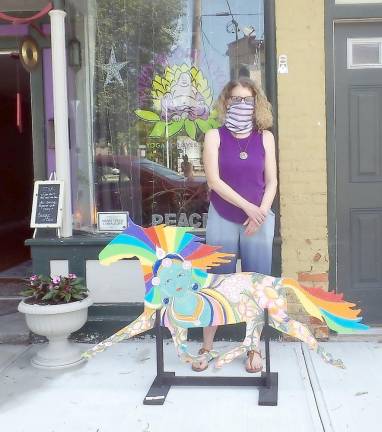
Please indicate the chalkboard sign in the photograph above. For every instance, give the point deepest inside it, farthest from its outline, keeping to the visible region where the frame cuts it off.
(47, 204)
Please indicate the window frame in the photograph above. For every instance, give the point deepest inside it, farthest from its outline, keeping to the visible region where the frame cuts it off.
(349, 54)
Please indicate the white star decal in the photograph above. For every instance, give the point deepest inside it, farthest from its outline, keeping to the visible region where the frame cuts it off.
(113, 69)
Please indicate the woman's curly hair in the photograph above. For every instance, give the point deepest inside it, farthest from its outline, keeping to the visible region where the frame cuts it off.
(262, 118)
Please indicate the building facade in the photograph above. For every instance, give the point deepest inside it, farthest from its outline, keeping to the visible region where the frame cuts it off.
(141, 82)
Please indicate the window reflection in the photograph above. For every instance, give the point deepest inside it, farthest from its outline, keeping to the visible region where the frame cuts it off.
(155, 79)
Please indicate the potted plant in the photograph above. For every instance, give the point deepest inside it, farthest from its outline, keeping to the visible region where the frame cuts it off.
(54, 307)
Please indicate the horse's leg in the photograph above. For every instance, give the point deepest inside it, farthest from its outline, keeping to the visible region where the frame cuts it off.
(144, 322)
(300, 331)
(251, 341)
(179, 336)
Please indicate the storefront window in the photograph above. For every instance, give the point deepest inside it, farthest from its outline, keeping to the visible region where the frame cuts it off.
(155, 69)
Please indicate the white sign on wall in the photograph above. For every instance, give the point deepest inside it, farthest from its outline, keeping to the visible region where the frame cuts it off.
(112, 221)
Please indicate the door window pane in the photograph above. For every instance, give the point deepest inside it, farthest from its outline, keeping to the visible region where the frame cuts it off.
(364, 53)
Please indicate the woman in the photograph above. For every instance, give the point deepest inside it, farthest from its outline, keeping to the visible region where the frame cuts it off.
(240, 166)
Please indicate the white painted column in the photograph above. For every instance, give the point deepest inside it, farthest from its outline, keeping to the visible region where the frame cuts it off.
(60, 104)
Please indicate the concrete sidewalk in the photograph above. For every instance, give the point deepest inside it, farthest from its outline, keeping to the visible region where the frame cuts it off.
(106, 393)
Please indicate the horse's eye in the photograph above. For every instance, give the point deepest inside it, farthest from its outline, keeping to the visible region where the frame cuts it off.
(180, 275)
(168, 280)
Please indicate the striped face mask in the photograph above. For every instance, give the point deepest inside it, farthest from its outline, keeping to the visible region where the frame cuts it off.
(239, 118)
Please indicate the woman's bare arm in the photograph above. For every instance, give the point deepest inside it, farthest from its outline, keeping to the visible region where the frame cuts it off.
(270, 177)
(270, 171)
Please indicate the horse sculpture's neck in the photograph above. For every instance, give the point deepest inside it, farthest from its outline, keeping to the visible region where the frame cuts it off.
(187, 309)
(186, 305)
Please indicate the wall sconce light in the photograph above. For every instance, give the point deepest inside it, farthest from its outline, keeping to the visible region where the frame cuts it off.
(74, 54)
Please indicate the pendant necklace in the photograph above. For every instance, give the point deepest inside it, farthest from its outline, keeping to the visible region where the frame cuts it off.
(243, 152)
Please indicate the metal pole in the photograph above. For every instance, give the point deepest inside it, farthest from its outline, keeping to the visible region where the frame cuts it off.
(271, 91)
(60, 103)
(235, 23)
(196, 32)
(267, 357)
(159, 345)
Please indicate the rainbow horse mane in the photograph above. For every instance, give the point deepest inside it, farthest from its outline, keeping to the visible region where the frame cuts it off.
(338, 314)
(144, 243)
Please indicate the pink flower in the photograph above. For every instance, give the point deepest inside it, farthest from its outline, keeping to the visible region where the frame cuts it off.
(56, 279)
(72, 276)
(33, 277)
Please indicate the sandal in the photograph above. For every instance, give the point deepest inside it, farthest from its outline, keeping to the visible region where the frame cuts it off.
(201, 352)
(250, 355)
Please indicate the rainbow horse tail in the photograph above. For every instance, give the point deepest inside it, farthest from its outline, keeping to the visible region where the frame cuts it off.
(338, 314)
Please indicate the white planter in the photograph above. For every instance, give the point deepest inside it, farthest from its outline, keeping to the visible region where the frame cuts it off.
(56, 322)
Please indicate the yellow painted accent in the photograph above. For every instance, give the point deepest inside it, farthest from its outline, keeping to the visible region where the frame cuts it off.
(170, 233)
(161, 237)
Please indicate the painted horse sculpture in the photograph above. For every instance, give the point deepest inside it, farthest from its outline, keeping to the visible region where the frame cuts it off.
(175, 264)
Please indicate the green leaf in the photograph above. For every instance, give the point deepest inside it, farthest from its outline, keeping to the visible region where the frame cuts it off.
(203, 125)
(175, 127)
(213, 123)
(48, 295)
(158, 130)
(190, 128)
(77, 282)
(147, 115)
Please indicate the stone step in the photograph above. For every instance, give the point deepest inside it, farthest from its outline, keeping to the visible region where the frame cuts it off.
(9, 305)
(13, 329)
(10, 286)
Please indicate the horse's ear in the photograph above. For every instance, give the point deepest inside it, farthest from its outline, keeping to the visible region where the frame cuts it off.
(160, 253)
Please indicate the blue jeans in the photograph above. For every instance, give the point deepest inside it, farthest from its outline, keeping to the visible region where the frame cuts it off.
(255, 251)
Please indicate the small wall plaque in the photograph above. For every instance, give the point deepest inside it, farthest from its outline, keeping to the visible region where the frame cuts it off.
(112, 221)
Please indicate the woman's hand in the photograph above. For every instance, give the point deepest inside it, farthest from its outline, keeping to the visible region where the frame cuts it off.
(252, 227)
(255, 214)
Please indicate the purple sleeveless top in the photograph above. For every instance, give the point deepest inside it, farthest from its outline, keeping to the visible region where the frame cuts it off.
(246, 177)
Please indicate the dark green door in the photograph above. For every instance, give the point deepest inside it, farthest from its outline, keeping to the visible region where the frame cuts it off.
(358, 145)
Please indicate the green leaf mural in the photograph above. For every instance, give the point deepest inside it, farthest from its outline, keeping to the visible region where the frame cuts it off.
(175, 127)
(203, 125)
(158, 130)
(147, 115)
(190, 128)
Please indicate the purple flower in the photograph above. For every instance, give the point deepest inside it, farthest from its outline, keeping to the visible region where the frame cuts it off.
(33, 277)
(71, 276)
(56, 279)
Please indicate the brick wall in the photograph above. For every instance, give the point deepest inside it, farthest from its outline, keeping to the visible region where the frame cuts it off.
(302, 147)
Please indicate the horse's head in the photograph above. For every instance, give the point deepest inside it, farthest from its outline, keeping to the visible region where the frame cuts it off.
(173, 277)
(173, 260)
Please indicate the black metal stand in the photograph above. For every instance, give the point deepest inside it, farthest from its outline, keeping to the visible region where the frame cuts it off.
(267, 382)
